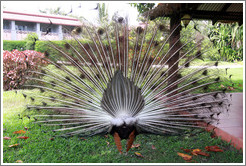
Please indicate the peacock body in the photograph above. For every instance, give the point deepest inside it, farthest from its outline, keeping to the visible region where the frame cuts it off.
(116, 80)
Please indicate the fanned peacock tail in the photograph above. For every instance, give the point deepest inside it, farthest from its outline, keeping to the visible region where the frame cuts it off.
(119, 80)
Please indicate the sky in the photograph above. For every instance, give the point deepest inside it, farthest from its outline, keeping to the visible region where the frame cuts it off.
(86, 9)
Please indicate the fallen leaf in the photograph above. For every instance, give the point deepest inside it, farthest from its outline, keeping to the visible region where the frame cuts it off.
(19, 161)
(7, 138)
(153, 147)
(19, 132)
(138, 154)
(203, 153)
(199, 152)
(185, 156)
(213, 148)
(14, 145)
(195, 151)
(135, 145)
(186, 150)
(107, 142)
(23, 137)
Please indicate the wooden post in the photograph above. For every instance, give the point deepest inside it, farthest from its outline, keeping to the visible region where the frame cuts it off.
(174, 22)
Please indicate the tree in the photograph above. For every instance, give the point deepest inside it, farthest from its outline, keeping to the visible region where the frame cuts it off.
(58, 11)
(102, 13)
(143, 7)
(31, 41)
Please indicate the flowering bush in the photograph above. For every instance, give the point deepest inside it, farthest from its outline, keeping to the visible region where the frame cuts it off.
(16, 64)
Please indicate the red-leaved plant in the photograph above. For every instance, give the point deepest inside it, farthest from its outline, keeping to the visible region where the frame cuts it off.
(16, 65)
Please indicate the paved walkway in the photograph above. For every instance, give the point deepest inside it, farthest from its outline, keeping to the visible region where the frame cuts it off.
(230, 127)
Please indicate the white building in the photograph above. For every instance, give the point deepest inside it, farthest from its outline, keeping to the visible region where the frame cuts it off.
(16, 25)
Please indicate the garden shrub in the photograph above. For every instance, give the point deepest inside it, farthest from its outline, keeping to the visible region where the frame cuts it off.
(31, 41)
(16, 65)
(10, 45)
(43, 46)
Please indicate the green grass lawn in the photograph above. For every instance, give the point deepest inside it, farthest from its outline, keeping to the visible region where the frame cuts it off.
(40, 148)
(236, 79)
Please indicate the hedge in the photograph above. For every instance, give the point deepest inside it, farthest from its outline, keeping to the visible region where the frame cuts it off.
(42, 46)
(10, 45)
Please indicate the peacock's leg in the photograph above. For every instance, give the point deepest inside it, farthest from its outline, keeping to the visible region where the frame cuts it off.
(130, 140)
(117, 142)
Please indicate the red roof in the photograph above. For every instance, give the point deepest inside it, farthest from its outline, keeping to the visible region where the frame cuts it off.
(40, 18)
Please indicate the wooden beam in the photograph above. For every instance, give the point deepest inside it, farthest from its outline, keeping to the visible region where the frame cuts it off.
(210, 15)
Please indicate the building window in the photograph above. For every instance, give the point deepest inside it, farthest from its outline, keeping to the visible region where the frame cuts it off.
(25, 26)
(50, 28)
(21, 27)
(6, 24)
(45, 29)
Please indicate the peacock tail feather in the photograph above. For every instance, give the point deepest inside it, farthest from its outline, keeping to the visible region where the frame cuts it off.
(118, 79)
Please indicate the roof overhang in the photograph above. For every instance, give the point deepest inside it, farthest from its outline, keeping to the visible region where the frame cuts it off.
(40, 18)
(222, 12)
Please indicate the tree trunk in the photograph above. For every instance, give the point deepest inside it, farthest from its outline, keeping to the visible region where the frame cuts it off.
(174, 22)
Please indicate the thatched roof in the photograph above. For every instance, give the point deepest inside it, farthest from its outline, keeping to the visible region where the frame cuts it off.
(222, 12)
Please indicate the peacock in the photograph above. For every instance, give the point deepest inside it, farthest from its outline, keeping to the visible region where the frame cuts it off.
(118, 80)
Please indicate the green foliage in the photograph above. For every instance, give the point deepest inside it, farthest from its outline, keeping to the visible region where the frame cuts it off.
(59, 11)
(56, 11)
(10, 45)
(32, 37)
(21, 45)
(189, 38)
(30, 45)
(102, 13)
(42, 46)
(31, 41)
(143, 7)
(228, 40)
(222, 42)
